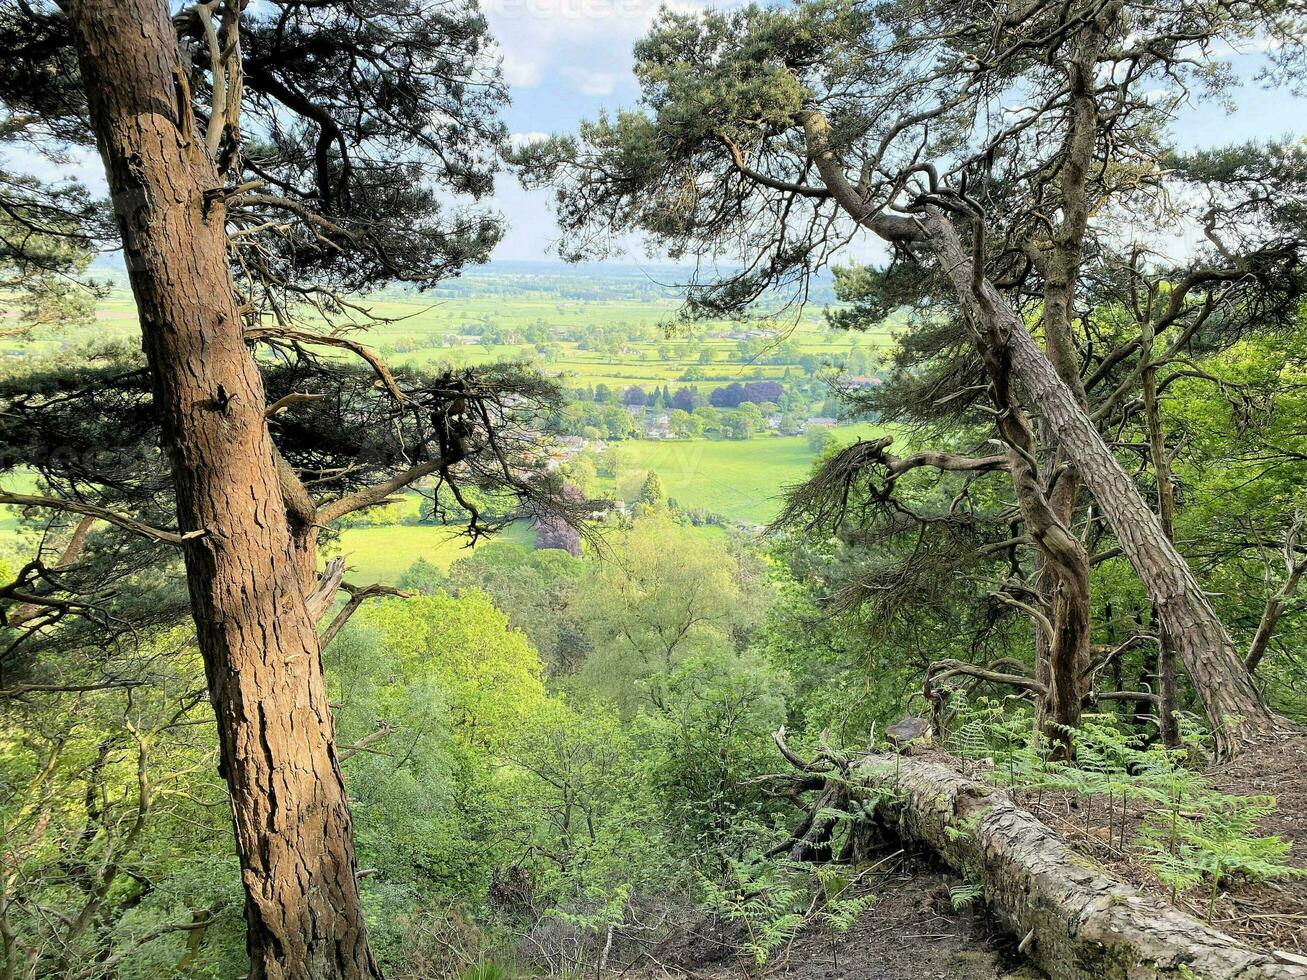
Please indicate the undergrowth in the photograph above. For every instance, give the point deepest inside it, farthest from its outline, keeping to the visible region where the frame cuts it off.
(773, 900)
(1192, 836)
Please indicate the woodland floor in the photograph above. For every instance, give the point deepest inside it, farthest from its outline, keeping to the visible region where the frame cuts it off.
(1269, 915)
(911, 933)
(1273, 914)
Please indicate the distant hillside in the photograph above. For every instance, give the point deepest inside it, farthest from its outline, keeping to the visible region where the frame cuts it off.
(545, 279)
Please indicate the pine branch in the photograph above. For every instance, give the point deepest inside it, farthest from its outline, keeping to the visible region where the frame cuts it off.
(108, 516)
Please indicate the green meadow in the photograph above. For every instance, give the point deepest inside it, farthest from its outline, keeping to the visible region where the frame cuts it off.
(739, 480)
(383, 554)
(426, 325)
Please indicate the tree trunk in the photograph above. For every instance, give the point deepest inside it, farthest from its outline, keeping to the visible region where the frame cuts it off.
(258, 639)
(1065, 656)
(1075, 922)
(1233, 704)
(1062, 637)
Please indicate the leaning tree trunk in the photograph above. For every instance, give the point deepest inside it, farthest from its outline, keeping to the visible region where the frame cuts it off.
(258, 639)
(1234, 705)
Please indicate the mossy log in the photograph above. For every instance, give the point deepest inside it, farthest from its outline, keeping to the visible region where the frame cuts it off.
(1074, 921)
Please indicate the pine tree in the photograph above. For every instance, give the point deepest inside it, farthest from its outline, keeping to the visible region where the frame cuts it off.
(651, 492)
(251, 206)
(878, 119)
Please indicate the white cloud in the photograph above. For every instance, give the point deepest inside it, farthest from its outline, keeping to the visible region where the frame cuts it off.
(517, 140)
(521, 74)
(590, 82)
(571, 18)
(587, 41)
(1224, 50)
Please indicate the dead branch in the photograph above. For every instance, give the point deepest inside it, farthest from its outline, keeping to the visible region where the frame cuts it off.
(367, 741)
(1294, 568)
(357, 596)
(285, 401)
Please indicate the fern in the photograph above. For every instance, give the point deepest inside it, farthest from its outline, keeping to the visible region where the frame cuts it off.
(1192, 834)
(773, 900)
(1216, 844)
(965, 895)
(768, 898)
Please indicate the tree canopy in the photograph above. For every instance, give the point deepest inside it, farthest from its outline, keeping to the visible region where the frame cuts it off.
(1021, 171)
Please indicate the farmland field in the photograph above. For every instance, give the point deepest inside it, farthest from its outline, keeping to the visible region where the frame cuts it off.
(592, 332)
(383, 554)
(740, 480)
(464, 327)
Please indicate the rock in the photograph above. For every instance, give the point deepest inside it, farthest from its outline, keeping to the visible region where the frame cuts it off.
(905, 731)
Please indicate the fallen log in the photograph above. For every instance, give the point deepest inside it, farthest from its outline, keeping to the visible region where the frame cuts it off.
(1074, 921)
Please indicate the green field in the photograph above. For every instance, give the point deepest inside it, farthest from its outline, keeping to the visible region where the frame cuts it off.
(22, 481)
(383, 554)
(585, 330)
(418, 332)
(741, 480)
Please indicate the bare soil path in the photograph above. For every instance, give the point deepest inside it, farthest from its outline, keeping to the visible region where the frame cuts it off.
(911, 933)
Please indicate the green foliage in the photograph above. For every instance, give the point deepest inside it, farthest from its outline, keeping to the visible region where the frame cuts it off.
(537, 591)
(708, 735)
(651, 493)
(841, 906)
(658, 597)
(114, 826)
(846, 677)
(490, 969)
(964, 896)
(592, 816)
(422, 576)
(490, 675)
(769, 898)
(774, 899)
(1215, 841)
(1192, 834)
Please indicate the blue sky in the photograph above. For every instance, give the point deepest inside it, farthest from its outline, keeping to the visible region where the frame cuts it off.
(564, 60)
(567, 59)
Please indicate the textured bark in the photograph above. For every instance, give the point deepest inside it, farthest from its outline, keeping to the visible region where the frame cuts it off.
(253, 624)
(1271, 615)
(1062, 659)
(1085, 925)
(1233, 704)
(1062, 646)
